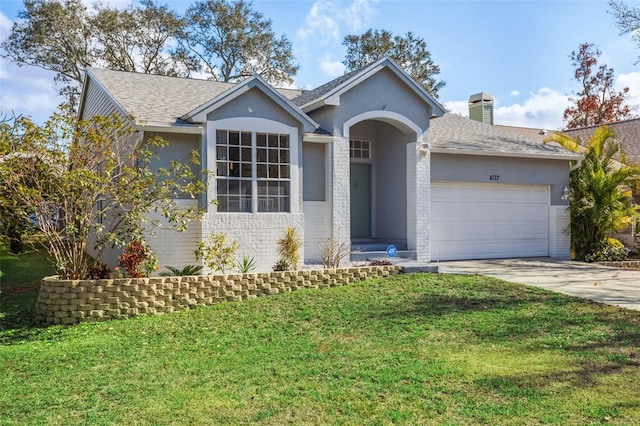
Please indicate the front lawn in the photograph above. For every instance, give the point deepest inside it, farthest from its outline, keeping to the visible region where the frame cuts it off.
(412, 349)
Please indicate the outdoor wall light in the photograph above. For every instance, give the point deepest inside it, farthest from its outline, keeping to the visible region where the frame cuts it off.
(423, 149)
(565, 194)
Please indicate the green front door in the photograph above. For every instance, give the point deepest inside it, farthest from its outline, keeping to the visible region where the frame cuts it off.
(360, 200)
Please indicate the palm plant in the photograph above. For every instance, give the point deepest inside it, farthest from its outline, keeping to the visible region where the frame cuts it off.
(600, 189)
(185, 271)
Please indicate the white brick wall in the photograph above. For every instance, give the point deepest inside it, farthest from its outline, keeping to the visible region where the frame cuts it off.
(176, 248)
(341, 219)
(421, 163)
(257, 234)
(559, 233)
(317, 228)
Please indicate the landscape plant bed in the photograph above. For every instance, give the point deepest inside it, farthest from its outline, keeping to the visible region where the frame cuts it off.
(73, 301)
(625, 264)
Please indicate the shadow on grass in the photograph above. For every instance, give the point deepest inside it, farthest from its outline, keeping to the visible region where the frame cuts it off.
(17, 318)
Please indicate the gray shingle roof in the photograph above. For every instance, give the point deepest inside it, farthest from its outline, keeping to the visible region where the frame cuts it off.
(627, 132)
(161, 99)
(456, 133)
(311, 95)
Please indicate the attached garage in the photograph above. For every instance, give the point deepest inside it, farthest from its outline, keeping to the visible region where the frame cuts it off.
(483, 221)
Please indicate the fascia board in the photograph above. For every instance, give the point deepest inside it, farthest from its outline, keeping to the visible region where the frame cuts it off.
(455, 151)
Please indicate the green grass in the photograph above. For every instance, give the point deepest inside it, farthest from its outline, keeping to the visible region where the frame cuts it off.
(412, 349)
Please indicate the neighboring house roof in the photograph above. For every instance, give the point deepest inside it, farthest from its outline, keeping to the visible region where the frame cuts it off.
(161, 99)
(627, 133)
(329, 93)
(455, 134)
(529, 132)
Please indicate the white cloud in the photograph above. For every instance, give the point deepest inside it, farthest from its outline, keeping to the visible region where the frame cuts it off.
(5, 26)
(514, 93)
(327, 19)
(542, 110)
(331, 67)
(632, 81)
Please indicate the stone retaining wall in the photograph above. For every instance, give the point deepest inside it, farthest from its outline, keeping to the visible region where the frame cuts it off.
(626, 264)
(69, 302)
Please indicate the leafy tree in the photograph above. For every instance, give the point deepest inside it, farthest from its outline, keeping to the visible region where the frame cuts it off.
(56, 36)
(597, 102)
(410, 52)
(233, 42)
(141, 39)
(92, 178)
(600, 193)
(628, 20)
(63, 36)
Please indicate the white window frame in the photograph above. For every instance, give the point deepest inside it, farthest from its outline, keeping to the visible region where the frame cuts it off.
(255, 126)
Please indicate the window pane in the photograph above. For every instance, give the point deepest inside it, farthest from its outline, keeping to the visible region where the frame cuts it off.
(245, 187)
(221, 169)
(262, 155)
(261, 139)
(284, 172)
(234, 187)
(233, 205)
(355, 144)
(234, 170)
(262, 188)
(261, 170)
(284, 188)
(221, 186)
(273, 172)
(221, 137)
(284, 156)
(222, 204)
(234, 138)
(273, 155)
(246, 170)
(234, 154)
(246, 139)
(273, 141)
(246, 154)
(221, 152)
(284, 141)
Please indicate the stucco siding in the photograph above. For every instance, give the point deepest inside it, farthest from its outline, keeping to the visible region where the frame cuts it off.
(504, 170)
(253, 104)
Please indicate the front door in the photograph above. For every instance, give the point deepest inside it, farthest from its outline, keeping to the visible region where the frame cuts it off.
(360, 200)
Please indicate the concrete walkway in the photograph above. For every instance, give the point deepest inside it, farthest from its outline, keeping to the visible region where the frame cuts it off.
(603, 284)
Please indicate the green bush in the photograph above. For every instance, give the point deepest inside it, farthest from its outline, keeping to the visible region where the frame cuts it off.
(609, 250)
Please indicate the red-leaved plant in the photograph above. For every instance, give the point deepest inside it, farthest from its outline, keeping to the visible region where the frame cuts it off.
(134, 254)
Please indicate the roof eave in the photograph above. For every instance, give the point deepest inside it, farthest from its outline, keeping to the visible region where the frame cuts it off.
(96, 80)
(195, 129)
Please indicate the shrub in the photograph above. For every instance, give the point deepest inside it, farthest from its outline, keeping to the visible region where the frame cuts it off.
(215, 252)
(246, 265)
(333, 251)
(184, 272)
(289, 247)
(98, 271)
(609, 250)
(281, 265)
(138, 260)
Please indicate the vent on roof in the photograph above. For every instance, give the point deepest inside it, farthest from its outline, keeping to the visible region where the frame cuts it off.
(481, 107)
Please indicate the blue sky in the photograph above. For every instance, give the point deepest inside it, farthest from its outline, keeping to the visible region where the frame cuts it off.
(516, 50)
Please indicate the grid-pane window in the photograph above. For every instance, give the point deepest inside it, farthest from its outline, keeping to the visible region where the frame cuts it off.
(273, 166)
(233, 170)
(359, 149)
(237, 173)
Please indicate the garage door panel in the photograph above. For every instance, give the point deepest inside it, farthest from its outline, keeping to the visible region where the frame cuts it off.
(474, 221)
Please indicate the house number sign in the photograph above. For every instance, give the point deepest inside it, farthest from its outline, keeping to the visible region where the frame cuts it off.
(494, 177)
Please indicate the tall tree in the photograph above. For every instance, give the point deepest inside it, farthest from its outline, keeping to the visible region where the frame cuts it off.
(63, 36)
(597, 102)
(628, 20)
(601, 202)
(409, 51)
(233, 41)
(56, 36)
(141, 39)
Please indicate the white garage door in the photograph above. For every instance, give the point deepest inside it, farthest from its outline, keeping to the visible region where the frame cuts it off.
(477, 221)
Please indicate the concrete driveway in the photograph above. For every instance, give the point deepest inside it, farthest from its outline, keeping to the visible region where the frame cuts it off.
(603, 284)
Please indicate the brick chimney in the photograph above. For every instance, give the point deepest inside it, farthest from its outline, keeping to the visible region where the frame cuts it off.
(481, 107)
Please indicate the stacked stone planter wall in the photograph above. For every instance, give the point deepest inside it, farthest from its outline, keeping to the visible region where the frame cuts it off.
(69, 302)
(626, 264)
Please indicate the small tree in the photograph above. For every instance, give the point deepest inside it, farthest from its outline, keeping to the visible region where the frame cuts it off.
(627, 19)
(600, 193)
(409, 51)
(216, 254)
(596, 102)
(93, 178)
